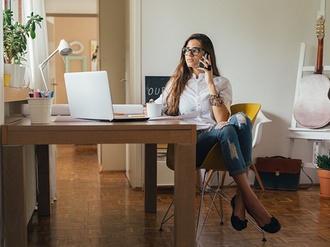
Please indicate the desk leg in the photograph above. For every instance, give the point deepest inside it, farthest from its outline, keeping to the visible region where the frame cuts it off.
(184, 195)
(42, 152)
(15, 231)
(150, 179)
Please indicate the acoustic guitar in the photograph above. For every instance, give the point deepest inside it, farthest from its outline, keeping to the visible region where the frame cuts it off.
(312, 106)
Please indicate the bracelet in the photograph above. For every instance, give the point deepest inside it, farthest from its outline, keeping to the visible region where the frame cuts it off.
(215, 100)
(214, 96)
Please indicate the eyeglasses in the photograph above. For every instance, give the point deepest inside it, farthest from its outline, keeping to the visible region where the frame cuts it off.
(194, 50)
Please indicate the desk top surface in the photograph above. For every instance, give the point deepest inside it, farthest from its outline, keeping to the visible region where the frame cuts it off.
(95, 132)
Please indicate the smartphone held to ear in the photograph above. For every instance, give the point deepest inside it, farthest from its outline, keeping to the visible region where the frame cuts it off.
(201, 65)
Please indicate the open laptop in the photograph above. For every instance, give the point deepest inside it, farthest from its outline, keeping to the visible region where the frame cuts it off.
(89, 97)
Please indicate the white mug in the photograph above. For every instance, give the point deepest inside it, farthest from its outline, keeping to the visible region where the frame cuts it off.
(154, 109)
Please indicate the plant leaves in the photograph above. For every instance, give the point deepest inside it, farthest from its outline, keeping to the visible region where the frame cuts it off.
(15, 35)
(33, 34)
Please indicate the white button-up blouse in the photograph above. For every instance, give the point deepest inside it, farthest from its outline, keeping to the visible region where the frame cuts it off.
(196, 98)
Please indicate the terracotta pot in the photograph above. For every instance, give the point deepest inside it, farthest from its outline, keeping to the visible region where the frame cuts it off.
(324, 176)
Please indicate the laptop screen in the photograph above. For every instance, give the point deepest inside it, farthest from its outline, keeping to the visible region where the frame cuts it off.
(89, 95)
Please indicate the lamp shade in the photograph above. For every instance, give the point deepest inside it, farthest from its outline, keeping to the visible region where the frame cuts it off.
(64, 48)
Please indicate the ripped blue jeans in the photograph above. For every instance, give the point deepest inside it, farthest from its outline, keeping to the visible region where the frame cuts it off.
(235, 140)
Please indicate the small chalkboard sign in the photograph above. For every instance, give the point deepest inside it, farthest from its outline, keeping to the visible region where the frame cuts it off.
(154, 86)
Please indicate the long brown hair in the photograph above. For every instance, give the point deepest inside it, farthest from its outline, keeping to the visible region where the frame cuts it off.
(183, 73)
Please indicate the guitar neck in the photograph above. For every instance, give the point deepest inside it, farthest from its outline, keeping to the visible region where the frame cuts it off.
(319, 59)
(320, 36)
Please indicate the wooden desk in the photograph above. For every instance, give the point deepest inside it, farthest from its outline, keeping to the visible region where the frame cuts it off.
(151, 133)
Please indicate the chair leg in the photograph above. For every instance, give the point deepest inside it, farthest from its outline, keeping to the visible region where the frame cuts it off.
(216, 192)
(255, 225)
(211, 172)
(256, 173)
(205, 184)
(223, 178)
(199, 190)
(209, 177)
(164, 220)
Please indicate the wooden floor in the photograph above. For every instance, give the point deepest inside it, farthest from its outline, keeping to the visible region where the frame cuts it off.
(100, 209)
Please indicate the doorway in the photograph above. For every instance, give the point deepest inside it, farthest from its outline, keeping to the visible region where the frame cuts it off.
(81, 32)
(110, 29)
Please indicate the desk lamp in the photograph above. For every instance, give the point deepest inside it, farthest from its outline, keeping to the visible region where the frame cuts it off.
(64, 49)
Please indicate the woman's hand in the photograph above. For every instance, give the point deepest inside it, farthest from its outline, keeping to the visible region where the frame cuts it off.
(208, 71)
(207, 68)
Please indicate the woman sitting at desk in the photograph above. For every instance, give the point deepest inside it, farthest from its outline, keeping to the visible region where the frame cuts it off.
(196, 85)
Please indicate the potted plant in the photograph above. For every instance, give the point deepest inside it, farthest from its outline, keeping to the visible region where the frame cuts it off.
(323, 163)
(15, 37)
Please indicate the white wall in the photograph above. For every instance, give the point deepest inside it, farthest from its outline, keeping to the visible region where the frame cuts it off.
(257, 45)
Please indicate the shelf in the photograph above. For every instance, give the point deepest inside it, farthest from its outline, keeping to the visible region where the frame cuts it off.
(13, 94)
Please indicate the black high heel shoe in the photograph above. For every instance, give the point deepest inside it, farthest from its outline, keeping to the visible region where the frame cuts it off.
(236, 222)
(273, 226)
